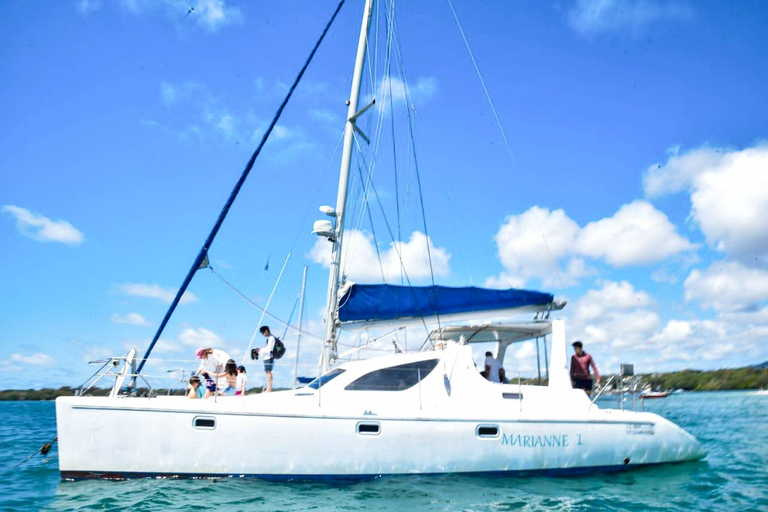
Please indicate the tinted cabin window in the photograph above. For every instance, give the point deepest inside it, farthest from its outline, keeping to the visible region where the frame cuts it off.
(394, 378)
(323, 379)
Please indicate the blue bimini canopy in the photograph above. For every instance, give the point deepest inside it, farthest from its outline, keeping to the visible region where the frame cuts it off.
(377, 302)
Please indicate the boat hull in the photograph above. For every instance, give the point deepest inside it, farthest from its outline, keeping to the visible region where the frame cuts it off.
(129, 437)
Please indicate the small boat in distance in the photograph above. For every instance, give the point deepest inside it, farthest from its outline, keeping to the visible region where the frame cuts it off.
(649, 394)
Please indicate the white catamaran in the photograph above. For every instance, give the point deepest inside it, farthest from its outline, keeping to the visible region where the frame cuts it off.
(424, 412)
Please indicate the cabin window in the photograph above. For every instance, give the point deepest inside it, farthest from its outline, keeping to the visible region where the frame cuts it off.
(368, 429)
(512, 396)
(323, 379)
(487, 431)
(394, 378)
(204, 423)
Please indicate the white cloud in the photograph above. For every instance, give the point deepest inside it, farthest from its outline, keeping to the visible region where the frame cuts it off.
(200, 337)
(130, 319)
(423, 90)
(620, 324)
(281, 132)
(325, 116)
(637, 234)
(728, 286)
(591, 17)
(611, 296)
(43, 229)
(534, 243)
(361, 263)
(154, 291)
(729, 195)
(614, 317)
(531, 244)
(34, 359)
(86, 6)
(99, 353)
(226, 125)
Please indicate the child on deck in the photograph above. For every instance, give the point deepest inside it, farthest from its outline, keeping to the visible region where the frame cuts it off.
(242, 381)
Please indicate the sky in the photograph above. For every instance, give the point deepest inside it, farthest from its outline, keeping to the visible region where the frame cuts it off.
(633, 179)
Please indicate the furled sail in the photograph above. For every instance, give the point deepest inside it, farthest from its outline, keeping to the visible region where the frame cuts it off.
(381, 302)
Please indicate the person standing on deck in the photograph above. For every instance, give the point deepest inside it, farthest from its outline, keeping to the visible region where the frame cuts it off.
(266, 355)
(580, 364)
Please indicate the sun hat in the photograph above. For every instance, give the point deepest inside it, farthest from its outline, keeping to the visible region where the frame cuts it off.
(200, 352)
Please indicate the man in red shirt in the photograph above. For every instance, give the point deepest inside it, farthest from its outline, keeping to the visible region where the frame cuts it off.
(580, 363)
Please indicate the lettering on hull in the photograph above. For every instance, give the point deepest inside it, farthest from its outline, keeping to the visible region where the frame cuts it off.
(531, 441)
(640, 429)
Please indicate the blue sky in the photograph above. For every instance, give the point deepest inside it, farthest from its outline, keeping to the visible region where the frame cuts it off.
(637, 130)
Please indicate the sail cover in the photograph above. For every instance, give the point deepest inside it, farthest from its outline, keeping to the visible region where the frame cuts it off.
(378, 302)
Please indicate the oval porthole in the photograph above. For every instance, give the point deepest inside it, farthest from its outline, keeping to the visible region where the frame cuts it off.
(487, 431)
(204, 423)
(368, 428)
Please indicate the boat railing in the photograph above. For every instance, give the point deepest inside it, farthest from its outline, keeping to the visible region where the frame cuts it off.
(600, 391)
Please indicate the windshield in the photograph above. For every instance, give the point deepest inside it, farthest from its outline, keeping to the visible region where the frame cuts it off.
(323, 379)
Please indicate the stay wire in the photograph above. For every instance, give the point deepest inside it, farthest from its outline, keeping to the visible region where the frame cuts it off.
(503, 134)
(202, 255)
(396, 247)
(409, 103)
(254, 304)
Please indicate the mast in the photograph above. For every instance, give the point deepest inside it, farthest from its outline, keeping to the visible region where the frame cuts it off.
(301, 323)
(329, 348)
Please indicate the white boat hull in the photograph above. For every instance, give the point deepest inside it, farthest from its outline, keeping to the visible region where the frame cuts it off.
(133, 437)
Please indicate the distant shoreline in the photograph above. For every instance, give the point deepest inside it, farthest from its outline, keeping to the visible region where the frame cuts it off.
(737, 379)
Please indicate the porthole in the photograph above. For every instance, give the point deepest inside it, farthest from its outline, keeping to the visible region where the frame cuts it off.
(368, 428)
(204, 423)
(487, 431)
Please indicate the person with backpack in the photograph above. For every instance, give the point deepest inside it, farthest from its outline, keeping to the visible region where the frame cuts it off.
(267, 355)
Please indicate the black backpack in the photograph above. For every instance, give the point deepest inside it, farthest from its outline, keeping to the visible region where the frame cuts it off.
(279, 349)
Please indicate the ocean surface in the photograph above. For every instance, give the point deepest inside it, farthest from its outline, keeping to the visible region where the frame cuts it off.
(732, 426)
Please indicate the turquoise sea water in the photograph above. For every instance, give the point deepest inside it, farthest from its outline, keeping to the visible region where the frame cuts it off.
(732, 426)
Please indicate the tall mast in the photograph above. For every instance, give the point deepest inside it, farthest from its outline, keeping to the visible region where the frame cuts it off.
(301, 326)
(329, 348)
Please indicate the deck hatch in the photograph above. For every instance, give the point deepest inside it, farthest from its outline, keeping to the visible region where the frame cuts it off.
(367, 428)
(487, 431)
(204, 423)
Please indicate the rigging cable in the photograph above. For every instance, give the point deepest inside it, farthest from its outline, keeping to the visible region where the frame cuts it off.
(266, 307)
(254, 304)
(503, 135)
(202, 256)
(409, 103)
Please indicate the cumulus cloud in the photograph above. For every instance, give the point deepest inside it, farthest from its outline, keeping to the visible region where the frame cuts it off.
(534, 243)
(729, 195)
(154, 291)
(728, 286)
(200, 337)
(360, 261)
(34, 359)
(592, 17)
(130, 319)
(620, 324)
(637, 234)
(614, 317)
(43, 229)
